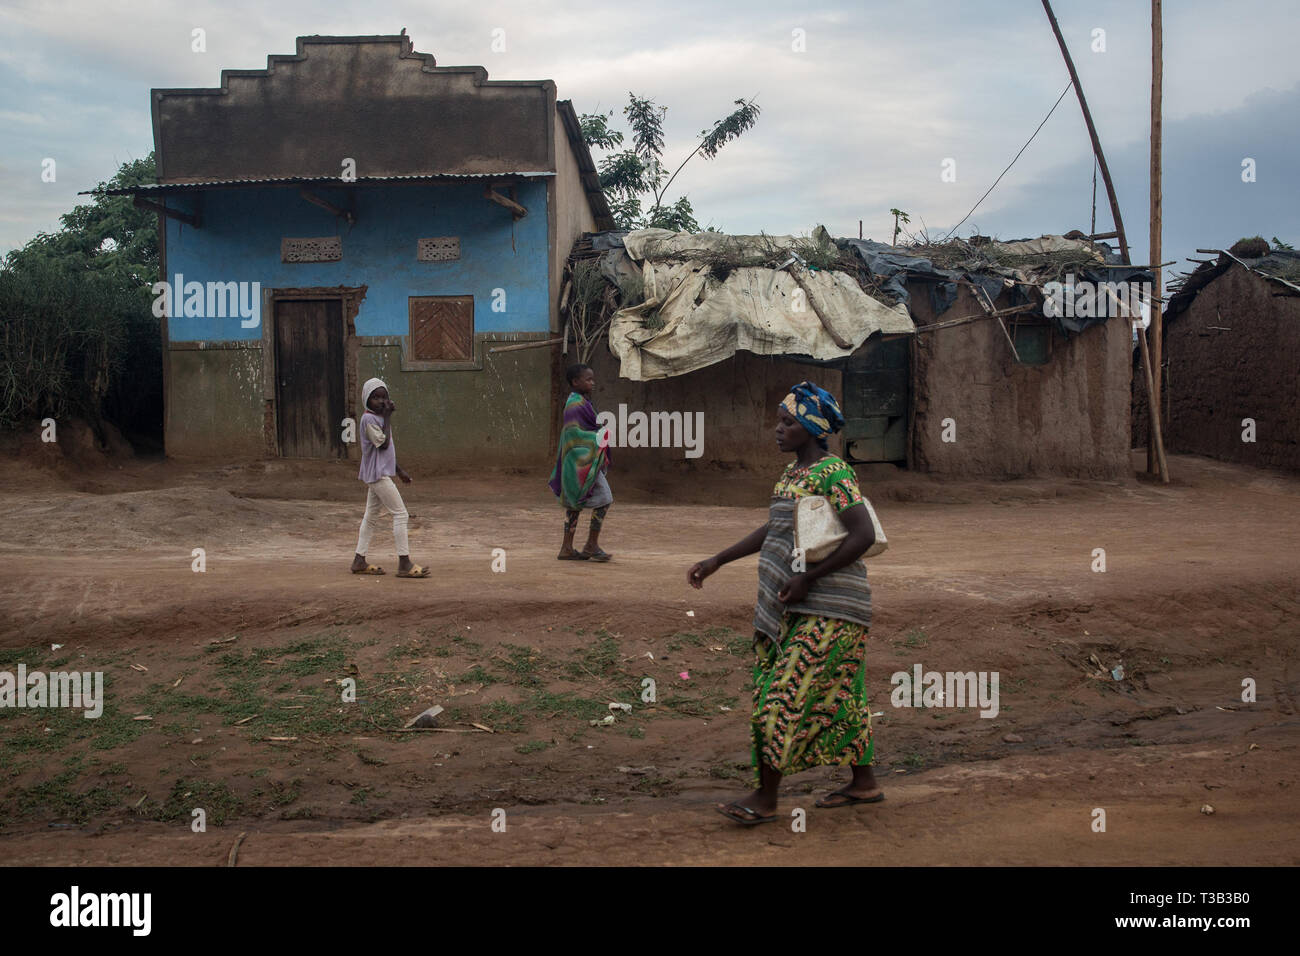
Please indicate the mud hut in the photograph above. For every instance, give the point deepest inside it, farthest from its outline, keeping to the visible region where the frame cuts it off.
(955, 359)
(1231, 356)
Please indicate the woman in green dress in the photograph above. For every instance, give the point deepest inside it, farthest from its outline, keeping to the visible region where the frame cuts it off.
(810, 703)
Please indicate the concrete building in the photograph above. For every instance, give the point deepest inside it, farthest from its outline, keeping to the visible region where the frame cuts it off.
(355, 210)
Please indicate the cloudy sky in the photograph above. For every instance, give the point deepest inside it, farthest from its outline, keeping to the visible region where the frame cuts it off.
(862, 102)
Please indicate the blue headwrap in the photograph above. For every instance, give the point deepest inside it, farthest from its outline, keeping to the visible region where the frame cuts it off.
(815, 409)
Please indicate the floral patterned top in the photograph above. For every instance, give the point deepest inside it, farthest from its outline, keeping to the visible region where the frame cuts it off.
(832, 477)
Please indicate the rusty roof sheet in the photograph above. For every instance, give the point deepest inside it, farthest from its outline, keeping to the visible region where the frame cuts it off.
(148, 188)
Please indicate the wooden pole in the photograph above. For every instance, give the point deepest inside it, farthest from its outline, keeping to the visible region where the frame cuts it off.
(1157, 76)
(826, 323)
(1155, 406)
(1135, 323)
(985, 303)
(540, 343)
(1092, 134)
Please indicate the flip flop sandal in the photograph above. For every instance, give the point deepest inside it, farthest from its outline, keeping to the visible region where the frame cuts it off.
(753, 820)
(848, 800)
(370, 569)
(415, 572)
(597, 555)
(574, 556)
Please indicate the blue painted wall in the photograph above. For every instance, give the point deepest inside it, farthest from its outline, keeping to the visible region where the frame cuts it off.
(241, 229)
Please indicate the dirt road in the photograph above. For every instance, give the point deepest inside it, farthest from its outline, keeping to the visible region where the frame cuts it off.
(239, 672)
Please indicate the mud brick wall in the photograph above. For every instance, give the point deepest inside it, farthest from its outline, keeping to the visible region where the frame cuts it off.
(1069, 417)
(738, 397)
(1216, 378)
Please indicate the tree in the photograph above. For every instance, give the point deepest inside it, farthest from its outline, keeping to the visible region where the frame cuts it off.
(108, 234)
(78, 332)
(899, 216)
(636, 174)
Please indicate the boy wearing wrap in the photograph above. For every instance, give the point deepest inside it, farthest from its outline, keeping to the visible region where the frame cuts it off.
(578, 479)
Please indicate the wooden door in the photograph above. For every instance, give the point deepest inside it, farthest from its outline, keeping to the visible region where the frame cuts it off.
(309, 389)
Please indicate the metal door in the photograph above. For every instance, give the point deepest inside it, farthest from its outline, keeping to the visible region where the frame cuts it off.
(876, 398)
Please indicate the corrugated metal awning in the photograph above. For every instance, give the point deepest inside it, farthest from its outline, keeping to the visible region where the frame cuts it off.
(157, 188)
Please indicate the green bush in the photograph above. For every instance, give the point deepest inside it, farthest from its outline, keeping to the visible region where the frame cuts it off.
(77, 330)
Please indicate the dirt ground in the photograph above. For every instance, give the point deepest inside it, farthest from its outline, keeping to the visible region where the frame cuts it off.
(238, 668)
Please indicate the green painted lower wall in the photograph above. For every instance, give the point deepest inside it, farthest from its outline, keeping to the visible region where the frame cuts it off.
(498, 416)
(214, 403)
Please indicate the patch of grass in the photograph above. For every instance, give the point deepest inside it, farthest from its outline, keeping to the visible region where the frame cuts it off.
(477, 675)
(916, 639)
(503, 717)
(299, 659)
(216, 800)
(532, 746)
(283, 794)
(56, 798)
(405, 651)
(31, 657)
(521, 665)
(25, 729)
(684, 638)
(548, 706)
(727, 771)
(704, 706)
(740, 645)
(601, 659)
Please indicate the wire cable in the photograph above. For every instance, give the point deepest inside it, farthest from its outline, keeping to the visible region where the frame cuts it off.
(1010, 164)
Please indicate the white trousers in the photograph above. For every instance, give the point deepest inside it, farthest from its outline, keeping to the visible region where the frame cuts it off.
(383, 496)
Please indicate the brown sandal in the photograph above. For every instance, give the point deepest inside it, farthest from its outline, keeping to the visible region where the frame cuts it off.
(846, 800)
(752, 818)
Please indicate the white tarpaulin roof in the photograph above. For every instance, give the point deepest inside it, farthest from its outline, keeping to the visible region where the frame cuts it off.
(761, 310)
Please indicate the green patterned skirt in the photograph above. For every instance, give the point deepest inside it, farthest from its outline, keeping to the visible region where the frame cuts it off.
(810, 698)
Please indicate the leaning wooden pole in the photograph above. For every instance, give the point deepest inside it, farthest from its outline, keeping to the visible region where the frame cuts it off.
(1092, 134)
(1157, 300)
(1135, 323)
(1157, 441)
